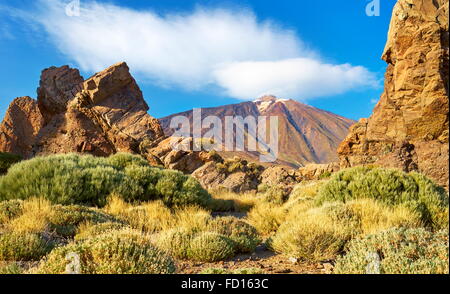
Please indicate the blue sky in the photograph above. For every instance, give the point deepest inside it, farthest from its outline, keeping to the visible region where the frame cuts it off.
(204, 53)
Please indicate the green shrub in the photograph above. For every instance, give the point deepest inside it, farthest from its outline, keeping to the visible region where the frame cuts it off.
(399, 251)
(92, 230)
(242, 234)
(10, 268)
(210, 247)
(87, 180)
(312, 236)
(391, 187)
(64, 220)
(7, 160)
(23, 247)
(176, 242)
(9, 210)
(275, 194)
(120, 252)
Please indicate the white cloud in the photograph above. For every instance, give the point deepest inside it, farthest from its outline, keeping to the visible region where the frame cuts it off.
(299, 77)
(207, 47)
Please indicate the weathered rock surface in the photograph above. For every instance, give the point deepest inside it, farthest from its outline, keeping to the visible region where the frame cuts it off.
(21, 125)
(409, 126)
(102, 115)
(235, 175)
(177, 158)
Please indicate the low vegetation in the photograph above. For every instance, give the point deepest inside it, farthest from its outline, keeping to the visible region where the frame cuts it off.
(72, 213)
(391, 187)
(397, 251)
(115, 252)
(87, 180)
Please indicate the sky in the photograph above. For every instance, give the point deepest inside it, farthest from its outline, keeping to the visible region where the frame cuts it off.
(189, 54)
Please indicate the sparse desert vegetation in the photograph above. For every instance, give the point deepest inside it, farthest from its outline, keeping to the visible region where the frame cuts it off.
(149, 220)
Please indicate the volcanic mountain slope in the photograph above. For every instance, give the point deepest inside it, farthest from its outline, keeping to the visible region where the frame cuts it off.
(306, 134)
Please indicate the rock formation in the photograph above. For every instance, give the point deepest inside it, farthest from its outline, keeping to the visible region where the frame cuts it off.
(102, 115)
(409, 126)
(21, 125)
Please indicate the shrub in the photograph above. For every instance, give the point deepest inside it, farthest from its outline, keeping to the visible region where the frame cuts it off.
(399, 251)
(9, 210)
(175, 242)
(391, 187)
(210, 247)
(64, 220)
(266, 217)
(275, 194)
(23, 247)
(120, 252)
(310, 236)
(369, 216)
(89, 230)
(151, 217)
(242, 234)
(33, 217)
(7, 160)
(305, 191)
(224, 200)
(87, 180)
(10, 268)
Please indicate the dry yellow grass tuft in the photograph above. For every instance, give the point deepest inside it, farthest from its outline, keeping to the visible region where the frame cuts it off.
(34, 217)
(242, 202)
(153, 217)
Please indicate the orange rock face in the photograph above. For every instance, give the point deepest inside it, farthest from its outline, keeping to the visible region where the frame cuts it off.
(21, 125)
(102, 115)
(409, 126)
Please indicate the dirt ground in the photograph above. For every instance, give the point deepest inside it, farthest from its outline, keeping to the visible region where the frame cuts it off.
(268, 261)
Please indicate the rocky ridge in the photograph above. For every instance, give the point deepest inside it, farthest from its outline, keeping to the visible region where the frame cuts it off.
(409, 126)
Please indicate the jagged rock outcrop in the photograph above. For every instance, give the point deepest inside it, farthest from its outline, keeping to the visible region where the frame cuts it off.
(102, 115)
(21, 125)
(180, 159)
(409, 126)
(235, 175)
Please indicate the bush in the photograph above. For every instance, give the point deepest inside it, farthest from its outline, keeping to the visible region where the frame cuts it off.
(224, 201)
(275, 194)
(64, 220)
(266, 217)
(175, 242)
(210, 247)
(23, 247)
(87, 180)
(391, 187)
(399, 251)
(120, 252)
(10, 209)
(89, 230)
(7, 160)
(10, 268)
(310, 236)
(242, 234)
